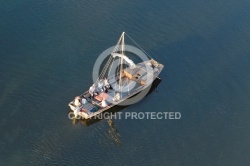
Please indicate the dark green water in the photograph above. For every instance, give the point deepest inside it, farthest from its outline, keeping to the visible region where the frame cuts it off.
(48, 49)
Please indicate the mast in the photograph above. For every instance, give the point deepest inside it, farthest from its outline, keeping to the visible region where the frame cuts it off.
(121, 61)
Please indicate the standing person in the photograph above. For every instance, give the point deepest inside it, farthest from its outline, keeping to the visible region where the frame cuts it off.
(92, 90)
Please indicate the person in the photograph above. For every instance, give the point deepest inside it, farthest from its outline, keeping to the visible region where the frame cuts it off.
(100, 85)
(92, 90)
(104, 103)
(84, 101)
(106, 84)
(117, 97)
(76, 111)
(77, 101)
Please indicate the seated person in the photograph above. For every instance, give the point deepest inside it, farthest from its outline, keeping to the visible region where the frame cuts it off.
(92, 90)
(77, 101)
(106, 84)
(104, 103)
(100, 85)
(117, 97)
(84, 101)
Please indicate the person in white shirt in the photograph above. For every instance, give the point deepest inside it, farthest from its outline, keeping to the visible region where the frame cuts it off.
(104, 103)
(77, 101)
(100, 85)
(92, 90)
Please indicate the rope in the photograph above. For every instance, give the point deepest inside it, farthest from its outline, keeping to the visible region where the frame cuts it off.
(144, 52)
(109, 61)
(105, 68)
(139, 46)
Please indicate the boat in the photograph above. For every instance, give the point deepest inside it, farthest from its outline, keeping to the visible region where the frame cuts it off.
(121, 82)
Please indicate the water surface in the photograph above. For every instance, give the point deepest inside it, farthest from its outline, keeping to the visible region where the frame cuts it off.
(48, 48)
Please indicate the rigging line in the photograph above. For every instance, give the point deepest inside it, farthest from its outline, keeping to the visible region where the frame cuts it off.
(107, 66)
(110, 68)
(117, 44)
(105, 69)
(109, 60)
(112, 61)
(139, 46)
(115, 49)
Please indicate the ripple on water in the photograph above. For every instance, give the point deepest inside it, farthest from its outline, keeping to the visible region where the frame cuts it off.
(65, 144)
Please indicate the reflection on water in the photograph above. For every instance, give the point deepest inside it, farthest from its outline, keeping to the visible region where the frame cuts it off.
(113, 132)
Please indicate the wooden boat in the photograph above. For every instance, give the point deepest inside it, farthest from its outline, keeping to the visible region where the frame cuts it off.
(114, 88)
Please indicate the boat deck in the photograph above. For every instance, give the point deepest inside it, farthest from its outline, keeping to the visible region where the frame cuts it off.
(92, 105)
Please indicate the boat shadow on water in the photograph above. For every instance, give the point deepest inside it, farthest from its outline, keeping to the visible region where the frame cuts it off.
(112, 111)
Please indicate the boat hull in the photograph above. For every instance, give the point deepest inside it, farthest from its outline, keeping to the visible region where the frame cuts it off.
(141, 88)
